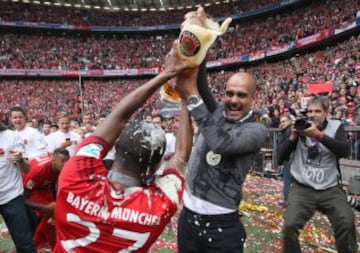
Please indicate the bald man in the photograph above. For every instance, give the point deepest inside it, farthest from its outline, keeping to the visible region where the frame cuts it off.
(222, 155)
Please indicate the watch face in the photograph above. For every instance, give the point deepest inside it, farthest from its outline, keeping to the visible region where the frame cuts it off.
(193, 100)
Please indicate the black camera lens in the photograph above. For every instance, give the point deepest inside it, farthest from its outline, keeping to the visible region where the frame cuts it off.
(301, 124)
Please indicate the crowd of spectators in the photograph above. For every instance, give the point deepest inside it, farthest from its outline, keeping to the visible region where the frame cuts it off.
(282, 86)
(41, 98)
(71, 52)
(98, 51)
(279, 29)
(69, 15)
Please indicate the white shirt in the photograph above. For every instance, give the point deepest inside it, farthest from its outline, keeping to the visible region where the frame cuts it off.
(170, 143)
(111, 154)
(204, 207)
(54, 141)
(170, 149)
(34, 142)
(11, 184)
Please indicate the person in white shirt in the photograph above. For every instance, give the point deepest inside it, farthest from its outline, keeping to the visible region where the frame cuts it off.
(12, 206)
(88, 123)
(170, 142)
(170, 137)
(33, 141)
(63, 137)
(46, 128)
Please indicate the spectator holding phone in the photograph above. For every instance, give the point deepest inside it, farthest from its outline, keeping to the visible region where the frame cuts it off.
(64, 137)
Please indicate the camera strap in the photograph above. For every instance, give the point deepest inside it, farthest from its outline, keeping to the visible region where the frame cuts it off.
(314, 141)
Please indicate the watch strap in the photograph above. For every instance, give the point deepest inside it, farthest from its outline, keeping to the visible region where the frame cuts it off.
(193, 102)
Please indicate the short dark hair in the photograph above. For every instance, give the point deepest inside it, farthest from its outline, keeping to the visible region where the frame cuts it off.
(89, 113)
(288, 117)
(158, 116)
(322, 100)
(46, 122)
(17, 109)
(61, 151)
(140, 146)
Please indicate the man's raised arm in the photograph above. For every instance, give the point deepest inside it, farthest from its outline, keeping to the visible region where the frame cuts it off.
(111, 128)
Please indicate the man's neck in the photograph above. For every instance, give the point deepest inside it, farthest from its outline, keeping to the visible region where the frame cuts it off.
(20, 129)
(120, 178)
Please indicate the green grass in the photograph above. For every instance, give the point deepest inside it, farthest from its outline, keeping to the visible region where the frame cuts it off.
(6, 244)
(262, 218)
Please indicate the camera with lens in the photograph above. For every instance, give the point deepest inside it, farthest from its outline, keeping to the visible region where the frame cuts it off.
(353, 202)
(302, 124)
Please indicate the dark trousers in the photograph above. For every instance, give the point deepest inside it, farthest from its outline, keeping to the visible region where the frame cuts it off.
(302, 204)
(210, 233)
(33, 219)
(287, 182)
(14, 214)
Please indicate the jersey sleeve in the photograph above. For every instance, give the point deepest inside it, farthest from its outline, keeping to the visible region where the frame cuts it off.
(86, 164)
(93, 146)
(39, 173)
(33, 178)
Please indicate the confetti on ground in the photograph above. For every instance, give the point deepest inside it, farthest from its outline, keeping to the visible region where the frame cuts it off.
(262, 218)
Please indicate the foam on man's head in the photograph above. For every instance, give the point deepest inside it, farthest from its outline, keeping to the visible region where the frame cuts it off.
(141, 144)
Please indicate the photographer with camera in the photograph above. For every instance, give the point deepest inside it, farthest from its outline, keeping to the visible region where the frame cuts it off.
(316, 144)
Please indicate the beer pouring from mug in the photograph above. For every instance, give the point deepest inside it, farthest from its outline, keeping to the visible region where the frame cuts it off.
(198, 33)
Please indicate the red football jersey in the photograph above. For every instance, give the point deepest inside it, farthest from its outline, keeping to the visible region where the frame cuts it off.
(91, 216)
(39, 178)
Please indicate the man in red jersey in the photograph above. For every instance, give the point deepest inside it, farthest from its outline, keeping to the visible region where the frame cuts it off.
(39, 196)
(124, 209)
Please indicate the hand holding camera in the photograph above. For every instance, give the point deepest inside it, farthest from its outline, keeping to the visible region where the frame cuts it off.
(306, 127)
(302, 124)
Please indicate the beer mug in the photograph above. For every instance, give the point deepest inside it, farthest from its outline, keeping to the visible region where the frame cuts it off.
(198, 33)
(168, 92)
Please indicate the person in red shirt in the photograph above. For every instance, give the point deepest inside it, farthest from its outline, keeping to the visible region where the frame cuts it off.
(39, 196)
(350, 113)
(124, 209)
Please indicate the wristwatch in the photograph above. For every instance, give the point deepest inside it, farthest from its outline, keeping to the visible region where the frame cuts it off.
(193, 101)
